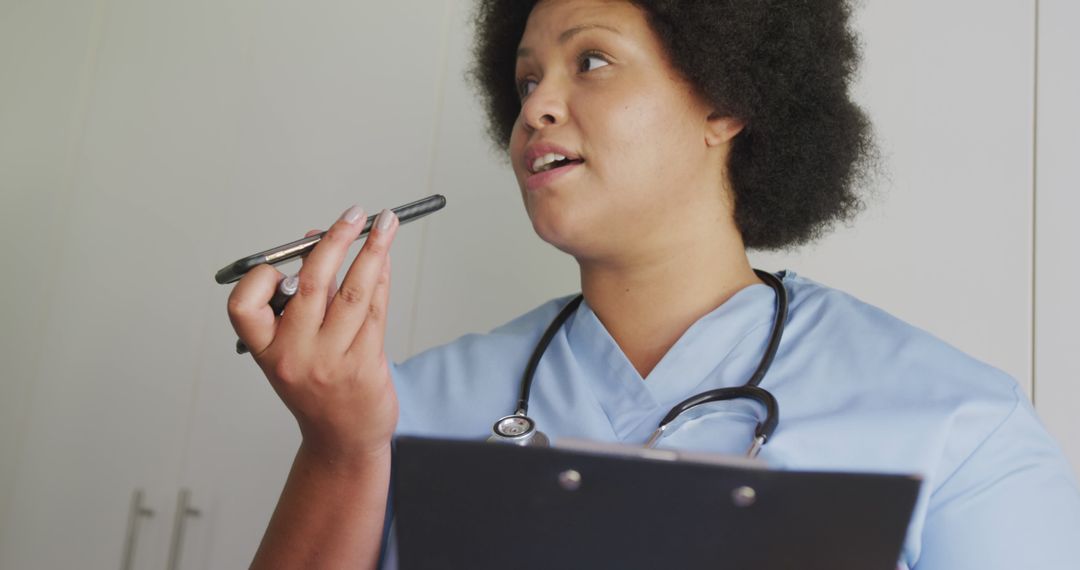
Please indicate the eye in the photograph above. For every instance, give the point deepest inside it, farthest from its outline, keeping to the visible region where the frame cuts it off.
(525, 86)
(590, 61)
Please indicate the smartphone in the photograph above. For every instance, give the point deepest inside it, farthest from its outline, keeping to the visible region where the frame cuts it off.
(282, 253)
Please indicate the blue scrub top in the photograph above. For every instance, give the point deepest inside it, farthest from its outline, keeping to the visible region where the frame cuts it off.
(858, 389)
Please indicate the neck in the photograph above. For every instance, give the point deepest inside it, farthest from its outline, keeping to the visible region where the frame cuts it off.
(648, 302)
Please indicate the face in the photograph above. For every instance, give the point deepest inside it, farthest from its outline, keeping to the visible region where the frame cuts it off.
(641, 147)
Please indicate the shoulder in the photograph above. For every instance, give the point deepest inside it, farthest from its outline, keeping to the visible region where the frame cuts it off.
(881, 351)
(521, 333)
(457, 389)
(866, 390)
(846, 362)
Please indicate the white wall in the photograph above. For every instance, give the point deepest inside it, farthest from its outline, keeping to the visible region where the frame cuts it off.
(946, 241)
(1057, 264)
(145, 144)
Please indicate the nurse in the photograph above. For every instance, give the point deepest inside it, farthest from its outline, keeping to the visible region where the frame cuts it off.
(654, 142)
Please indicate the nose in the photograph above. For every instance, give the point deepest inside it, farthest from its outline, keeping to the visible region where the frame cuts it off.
(545, 106)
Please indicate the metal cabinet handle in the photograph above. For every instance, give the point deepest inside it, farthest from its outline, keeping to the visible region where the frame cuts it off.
(183, 511)
(138, 511)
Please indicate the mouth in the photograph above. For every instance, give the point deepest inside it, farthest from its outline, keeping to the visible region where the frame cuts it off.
(552, 161)
(549, 172)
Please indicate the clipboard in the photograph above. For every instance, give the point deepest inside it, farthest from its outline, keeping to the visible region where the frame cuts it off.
(477, 505)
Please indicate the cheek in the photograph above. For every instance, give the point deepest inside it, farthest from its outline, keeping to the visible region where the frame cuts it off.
(648, 142)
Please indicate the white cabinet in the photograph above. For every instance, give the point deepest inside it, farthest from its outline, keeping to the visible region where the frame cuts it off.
(111, 399)
(207, 131)
(103, 401)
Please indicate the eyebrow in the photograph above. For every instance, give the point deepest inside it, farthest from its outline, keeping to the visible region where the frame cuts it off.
(569, 33)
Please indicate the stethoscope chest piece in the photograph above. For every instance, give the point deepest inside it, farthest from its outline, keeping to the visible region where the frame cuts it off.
(518, 429)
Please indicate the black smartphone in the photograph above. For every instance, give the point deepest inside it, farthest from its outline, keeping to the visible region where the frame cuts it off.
(282, 253)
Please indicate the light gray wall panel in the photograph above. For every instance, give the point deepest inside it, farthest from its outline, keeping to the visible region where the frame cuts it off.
(1057, 269)
(945, 242)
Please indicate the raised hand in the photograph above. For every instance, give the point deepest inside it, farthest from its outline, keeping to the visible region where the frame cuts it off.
(325, 355)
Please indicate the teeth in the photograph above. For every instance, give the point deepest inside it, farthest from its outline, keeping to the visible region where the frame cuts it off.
(544, 162)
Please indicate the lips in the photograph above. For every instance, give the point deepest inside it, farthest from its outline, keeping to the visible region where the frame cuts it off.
(542, 149)
(541, 179)
(550, 161)
(541, 155)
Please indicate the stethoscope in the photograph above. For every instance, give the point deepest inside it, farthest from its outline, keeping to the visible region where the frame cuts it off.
(518, 428)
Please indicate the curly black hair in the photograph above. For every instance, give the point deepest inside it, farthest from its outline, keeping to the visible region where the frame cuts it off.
(783, 67)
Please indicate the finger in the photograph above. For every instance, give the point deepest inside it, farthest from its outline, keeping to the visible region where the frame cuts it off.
(333, 283)
(351, 304)
(249, 310)
(330, 292)
(308, 234)
(371, 340)
(306, 309)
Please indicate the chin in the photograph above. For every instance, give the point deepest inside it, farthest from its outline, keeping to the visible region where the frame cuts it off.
(568, 237)
(555, 227)
(552, 231)
(570, 224)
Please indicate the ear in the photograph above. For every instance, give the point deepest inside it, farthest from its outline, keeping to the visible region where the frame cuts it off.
(720, 129)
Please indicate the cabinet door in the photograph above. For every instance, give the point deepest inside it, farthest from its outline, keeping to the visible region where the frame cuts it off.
(325, 122)
(44, 50)
(112, 389)
(118, 338)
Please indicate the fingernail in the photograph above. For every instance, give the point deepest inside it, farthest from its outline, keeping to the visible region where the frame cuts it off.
(290, 284)
(386, 217)
(353, 214)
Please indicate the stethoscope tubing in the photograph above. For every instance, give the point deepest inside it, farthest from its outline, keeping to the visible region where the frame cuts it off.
(538, 352)
(751, 389)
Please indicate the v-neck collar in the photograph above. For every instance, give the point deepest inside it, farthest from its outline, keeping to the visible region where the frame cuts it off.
(689, 366)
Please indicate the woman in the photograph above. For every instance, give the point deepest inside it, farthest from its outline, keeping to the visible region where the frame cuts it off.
(655, 142)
